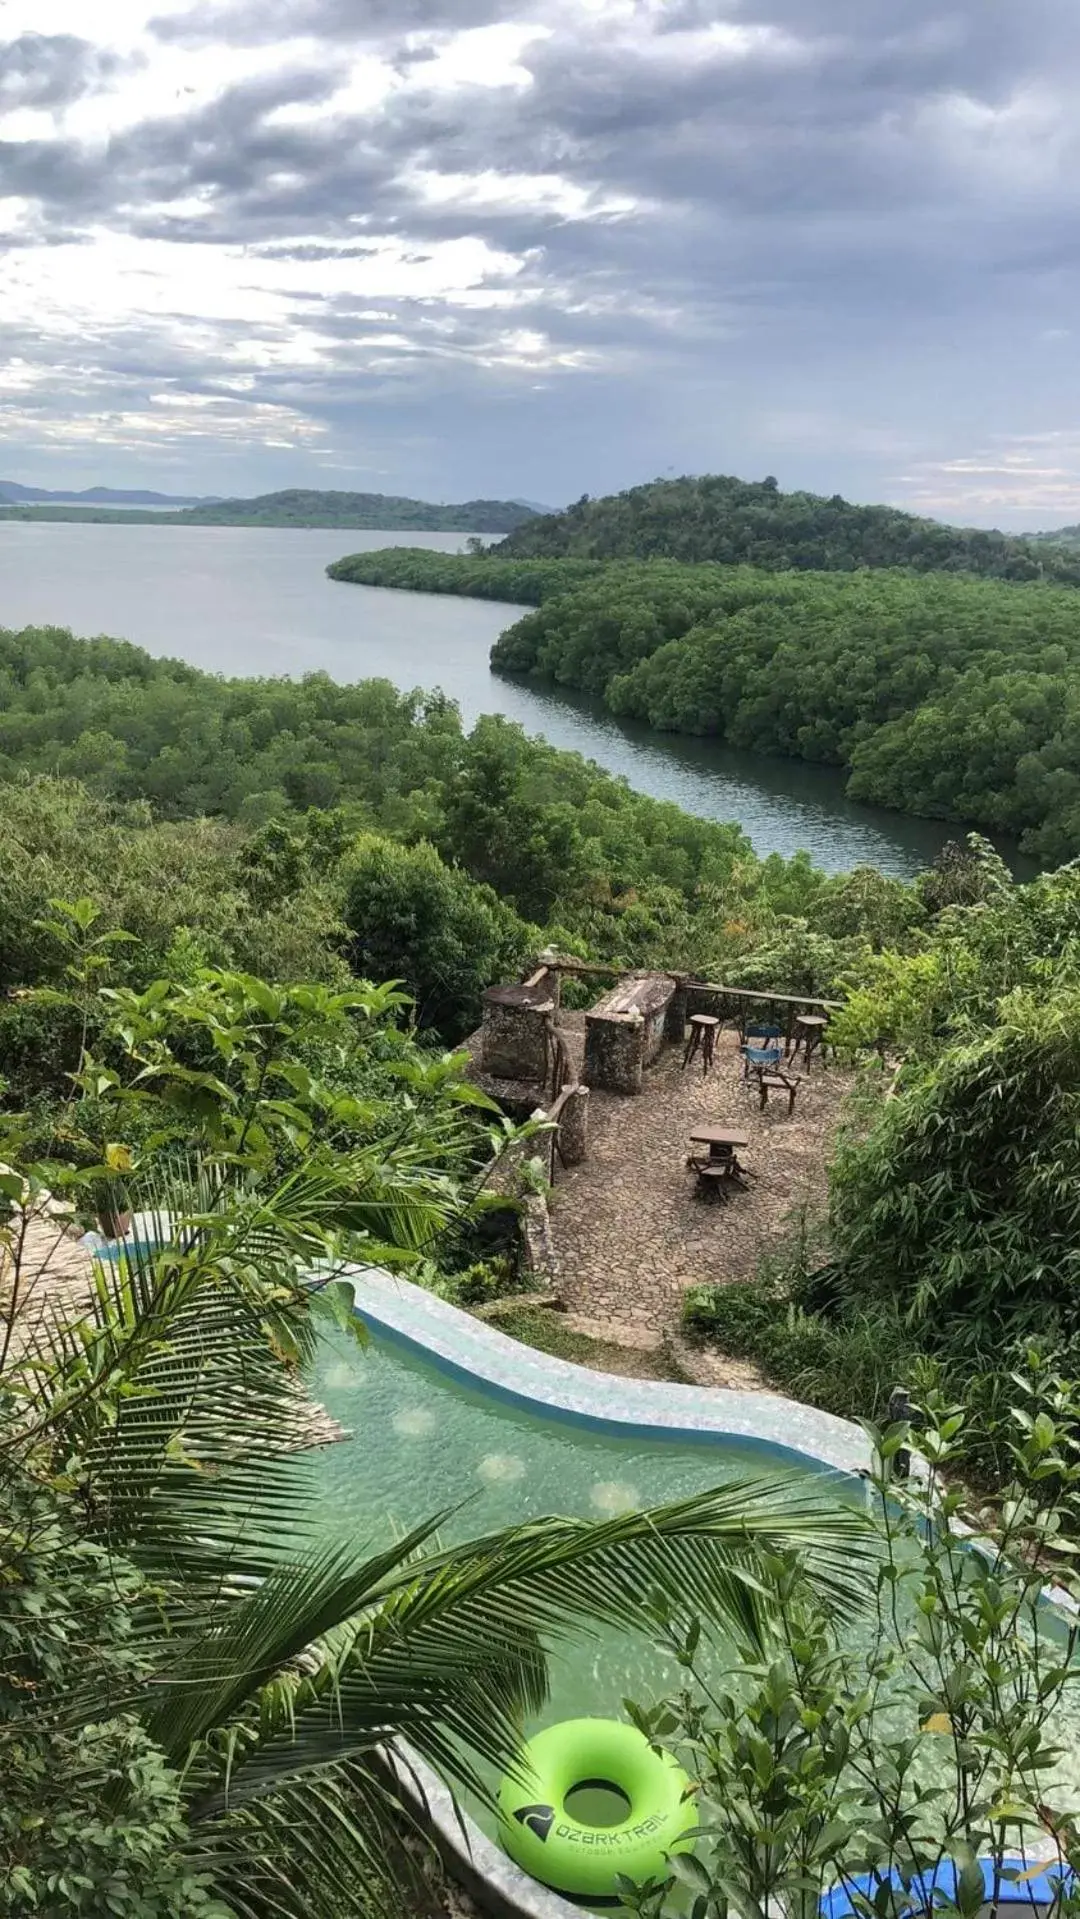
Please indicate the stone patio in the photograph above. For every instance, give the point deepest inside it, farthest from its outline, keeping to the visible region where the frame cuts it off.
(631, 1236)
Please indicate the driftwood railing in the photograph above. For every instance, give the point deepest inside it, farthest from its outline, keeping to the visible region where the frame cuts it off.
(742, 1004)
(565, 1143)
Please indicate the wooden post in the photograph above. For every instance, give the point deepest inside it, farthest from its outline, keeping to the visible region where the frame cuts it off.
(899, 1411)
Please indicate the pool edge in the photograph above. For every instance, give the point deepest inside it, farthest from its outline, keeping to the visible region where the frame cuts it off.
(478, 1353)
(483, 1356)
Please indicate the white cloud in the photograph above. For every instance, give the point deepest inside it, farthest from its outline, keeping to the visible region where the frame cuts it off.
(491, 191)
(479, 57)
(1001, 479)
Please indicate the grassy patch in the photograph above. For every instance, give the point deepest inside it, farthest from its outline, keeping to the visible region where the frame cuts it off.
(538, 1326)
(844, 1366)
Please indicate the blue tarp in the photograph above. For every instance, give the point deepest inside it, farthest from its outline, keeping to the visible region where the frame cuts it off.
(1034, 1885)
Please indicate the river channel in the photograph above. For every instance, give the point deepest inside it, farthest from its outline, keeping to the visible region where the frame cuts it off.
(254, 601)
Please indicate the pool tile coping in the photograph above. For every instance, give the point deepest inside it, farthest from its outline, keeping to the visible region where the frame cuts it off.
(631, 1408)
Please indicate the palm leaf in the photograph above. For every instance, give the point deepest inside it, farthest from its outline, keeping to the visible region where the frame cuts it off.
(447, 1652)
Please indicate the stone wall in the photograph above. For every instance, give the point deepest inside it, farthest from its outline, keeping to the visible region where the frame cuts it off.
(625, 1031)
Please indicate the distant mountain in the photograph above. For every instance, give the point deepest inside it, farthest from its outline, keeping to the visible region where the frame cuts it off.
(718, 517)
(14, 494)
(301, 506)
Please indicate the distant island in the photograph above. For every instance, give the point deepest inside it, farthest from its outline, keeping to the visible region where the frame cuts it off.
(12, 494)
(297, 506)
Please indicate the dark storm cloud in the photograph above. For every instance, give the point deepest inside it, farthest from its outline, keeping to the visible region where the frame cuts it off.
(56, 175)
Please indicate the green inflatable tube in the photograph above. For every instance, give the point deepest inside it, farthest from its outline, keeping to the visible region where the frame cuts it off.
(582, 1860)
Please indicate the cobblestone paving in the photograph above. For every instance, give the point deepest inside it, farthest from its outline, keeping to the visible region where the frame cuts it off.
(631, 1235)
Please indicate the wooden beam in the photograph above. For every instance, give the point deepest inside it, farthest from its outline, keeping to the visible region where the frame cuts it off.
(689, 981)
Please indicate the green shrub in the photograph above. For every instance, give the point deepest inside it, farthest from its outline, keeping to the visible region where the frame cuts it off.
(416, 919)
(846, 1366)
(485, 1280)
(960, 1210)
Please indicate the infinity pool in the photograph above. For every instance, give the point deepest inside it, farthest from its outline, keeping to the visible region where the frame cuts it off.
(424, 1440)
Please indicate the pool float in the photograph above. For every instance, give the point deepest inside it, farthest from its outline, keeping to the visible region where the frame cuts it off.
(561, 1851)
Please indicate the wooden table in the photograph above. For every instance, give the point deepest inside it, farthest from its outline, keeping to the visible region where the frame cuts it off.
(721, 1168)
(810, 1035)
(720, 1140)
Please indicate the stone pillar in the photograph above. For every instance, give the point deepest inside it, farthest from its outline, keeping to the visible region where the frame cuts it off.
(615, 1051)
(574, 1127)
(514, 1045)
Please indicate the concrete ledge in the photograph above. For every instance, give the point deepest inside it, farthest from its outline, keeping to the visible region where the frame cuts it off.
(474, 1860)
(792, 1434)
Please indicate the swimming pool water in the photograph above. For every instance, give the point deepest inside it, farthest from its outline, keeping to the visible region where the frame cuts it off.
(423, 1441)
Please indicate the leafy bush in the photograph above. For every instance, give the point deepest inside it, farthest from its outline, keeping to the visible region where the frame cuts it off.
(481, 1283)
(847, 1366)
(415, 919)
(91, 1816)
(921, 1740)
(960, 1210)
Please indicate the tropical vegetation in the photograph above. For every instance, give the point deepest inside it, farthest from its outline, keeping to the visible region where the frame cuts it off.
(924, 1761)
(714, 516)
(242, 925)
(953, 697)
(249, 794)
(952, 1215)
(201, 1676)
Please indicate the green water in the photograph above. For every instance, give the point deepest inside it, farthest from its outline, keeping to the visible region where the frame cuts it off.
(424, 1443)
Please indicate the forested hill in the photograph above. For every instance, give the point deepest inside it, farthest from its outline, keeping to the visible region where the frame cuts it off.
(301, 506)
(717, 517)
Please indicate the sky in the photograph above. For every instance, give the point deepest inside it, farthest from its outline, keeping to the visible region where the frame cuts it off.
(535, 248)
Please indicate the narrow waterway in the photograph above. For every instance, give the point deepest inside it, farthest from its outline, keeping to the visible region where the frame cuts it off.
(249, 600)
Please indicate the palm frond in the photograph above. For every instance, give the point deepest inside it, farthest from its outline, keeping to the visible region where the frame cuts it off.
(448, 1651)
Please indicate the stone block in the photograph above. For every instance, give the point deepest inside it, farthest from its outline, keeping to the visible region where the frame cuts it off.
(513, 1031)
(574, 1127)
(624, 1032)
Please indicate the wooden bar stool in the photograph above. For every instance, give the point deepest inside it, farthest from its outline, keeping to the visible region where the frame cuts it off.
(703, 1030)
(810, 1035)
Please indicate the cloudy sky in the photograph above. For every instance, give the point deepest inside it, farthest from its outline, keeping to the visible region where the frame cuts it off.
(542, 247)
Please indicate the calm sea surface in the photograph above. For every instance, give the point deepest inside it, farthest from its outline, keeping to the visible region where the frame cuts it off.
(248, 600)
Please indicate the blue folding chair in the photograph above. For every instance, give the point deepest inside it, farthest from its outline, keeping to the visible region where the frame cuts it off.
(760, 1059)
